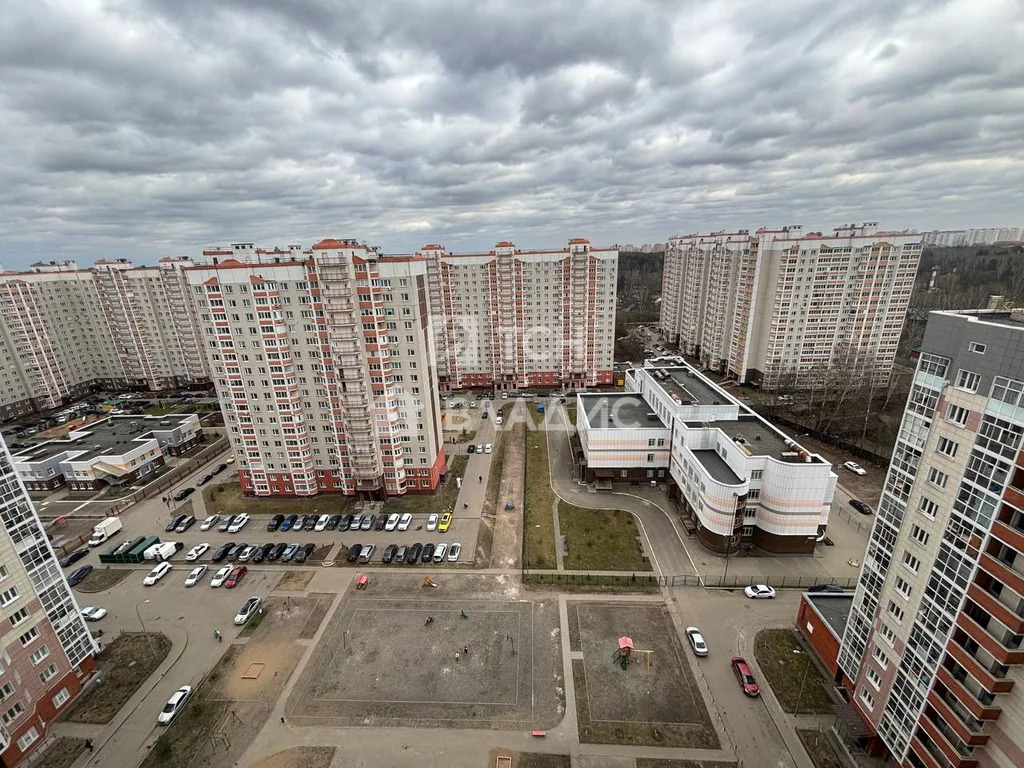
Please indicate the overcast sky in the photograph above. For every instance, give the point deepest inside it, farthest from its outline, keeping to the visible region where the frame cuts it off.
(148, 128)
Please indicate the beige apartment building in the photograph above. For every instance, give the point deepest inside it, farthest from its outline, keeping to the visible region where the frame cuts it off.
(65, 331)
(781, 305)
(323, 362)
(510, 319)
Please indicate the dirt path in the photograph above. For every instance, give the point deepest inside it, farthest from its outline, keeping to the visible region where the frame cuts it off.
(507, 543)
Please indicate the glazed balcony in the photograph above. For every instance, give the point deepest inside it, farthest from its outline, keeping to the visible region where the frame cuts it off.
(1002, 643)
(975, 699)
(966, 727)
(946, 745)
(1000, 601)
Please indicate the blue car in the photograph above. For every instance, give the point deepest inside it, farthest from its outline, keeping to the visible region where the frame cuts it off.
(288, 522)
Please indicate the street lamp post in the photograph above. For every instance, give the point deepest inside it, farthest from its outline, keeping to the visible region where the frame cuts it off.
(803, 682)
(149, 640)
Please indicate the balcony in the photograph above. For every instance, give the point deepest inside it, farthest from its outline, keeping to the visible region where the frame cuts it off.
(949, 745)
(1002, 572)
(981, 704)
(995, 605)
(1004, 645)
(1010, 535)
(966, 726)
(924, 756)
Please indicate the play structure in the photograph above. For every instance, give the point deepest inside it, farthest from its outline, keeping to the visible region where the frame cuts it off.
(626, 653)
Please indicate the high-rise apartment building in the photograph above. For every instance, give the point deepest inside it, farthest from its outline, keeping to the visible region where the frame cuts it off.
(952, 238)
(511, 318)
(324, 365)
(933, 651)
(65, 331)
(780, 305)
(46, 650)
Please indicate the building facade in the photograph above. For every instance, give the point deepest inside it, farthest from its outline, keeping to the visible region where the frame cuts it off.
(323, 362)
(511, 319)
(781, 306)
(933, 652)
(953, 238)
(737, 479)
(46, 650)
(65, 332)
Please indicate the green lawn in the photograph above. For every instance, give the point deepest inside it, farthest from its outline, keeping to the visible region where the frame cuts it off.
(538, 524)
(433, 503)
(600, 539)
(494, 477)
(226, 499)
(784, 670)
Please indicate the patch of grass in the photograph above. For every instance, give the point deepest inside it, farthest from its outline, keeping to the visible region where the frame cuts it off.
(227, 499)
(100, 580)
(254, 623)
(784, 670)
(538, 523)
(600, 540)
(819, 749)
(190, 732)
(466, 436)
(435, 503)
(655, 762)
(542, 760)
(294, 581)
(494, 476)
(124, 665)
(61, 754)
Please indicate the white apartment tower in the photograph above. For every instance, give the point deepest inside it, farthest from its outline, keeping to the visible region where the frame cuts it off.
(323, 363)
(511, 318)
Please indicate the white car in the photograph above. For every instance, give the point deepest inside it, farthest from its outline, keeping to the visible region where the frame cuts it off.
(174, 705)
(700, 648)
(91, 613)
(499, 420)
(197, 551)
(432, 523)
(246, 554)
(238, 523)
(321, 524)
(221, 576)
(453, 552)
(248, 610)
(439, 552)
(856, 468)
(209, 522)
(392, 522)
(405, 521)
(196, 575)
(480, 448)
(759, 592)
(488, 448)
(156, 574)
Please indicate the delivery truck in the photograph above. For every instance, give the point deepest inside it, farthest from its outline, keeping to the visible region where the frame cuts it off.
(105, 531)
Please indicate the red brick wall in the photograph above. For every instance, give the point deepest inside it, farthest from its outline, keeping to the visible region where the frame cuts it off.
(818, 635)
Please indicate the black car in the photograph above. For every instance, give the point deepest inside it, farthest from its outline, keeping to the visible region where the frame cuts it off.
(204, 479)
(187, 522)
(304, 552)
(345, 522)
(275, 523)
(221, 552)
(261, 553)
(389, 553)
(860, 506)
(220, 468)
(332, 523)
(400, 553)
(226, 523)
(353, 552)
(235, 551)
(183, 494)
(414, 553)
(428, 553)
(275, 553)
(174, 523)
(79, 574)
(826, 588)
(300, 522)
(73, 557)
(368, 521)
(311, 521)
(382, 520)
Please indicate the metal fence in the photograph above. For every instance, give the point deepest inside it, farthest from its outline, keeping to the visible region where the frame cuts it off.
(605, 579)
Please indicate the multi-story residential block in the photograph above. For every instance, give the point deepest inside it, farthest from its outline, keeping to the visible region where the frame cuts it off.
(512, 318)
(116, 451)
(952, 238)
(46, 650)
(933, 651)
(66, 331)
(780, 305)
(324, 365)
(737, 478)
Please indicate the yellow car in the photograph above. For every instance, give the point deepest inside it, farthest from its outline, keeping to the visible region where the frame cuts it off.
(229, 460)
(446, 521)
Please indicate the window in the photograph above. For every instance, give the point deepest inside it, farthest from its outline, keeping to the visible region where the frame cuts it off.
(918, 534)
(911, 562)
(928, 508)
(874, 678)
(867, 698)
(3, 572)
(756, 474)
(13, 713)
(967, 380)
(903, 587)
(957, 414)
(937, 477)
(887, 634)
(8, 596)
(38, 655)
(978, 349)
(19, 616)
(47, 673)
(879, 656)
(28, 738)
(6, 691)
(895, 611)
(754, 493)
(947, 447)
(61, 697)
(650, 443)
(1007, 390)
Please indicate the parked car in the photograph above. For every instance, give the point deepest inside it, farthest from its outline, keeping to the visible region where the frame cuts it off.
(238, 523)
(321, 523)
(222, 552)
(276, 552)
(382, 521)
(471, 448)
(413, 555)
(366, 553)
(226, 523)
(311, 521)
(289, 522)
(221, 576)
(183, 494)
(389, 553)
(332, 524)
(400, 554)
(174, 705)
(759, 592)
(246, 554)
(345, 523)
(220, 468)
(353, 552)
(860, 506)
(289, 552)
(856, 468)
(445, 523)
(92, 613)
(197, 551)
(355, 522)
(236, 551)
(833, 588)
(156, 574)
(187, 522)
(275, 523)
(745, 676)
(489, 448)
(248, 610)
(236, 577)
(204, 479)
(304, 552)
(196, 575)
(173, 523)
(428, 553)
(432, 522)
(299, 522)
(696, 640)
(368, 521)
(73, 557)
(392, 522)
(209, 522)
(439, 552)
(404, 522)
(453, 552)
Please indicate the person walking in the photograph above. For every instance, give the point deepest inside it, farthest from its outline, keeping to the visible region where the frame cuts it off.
(456, 655)
(480, 478)
(216, 634)
(88, 745)
(465, 651)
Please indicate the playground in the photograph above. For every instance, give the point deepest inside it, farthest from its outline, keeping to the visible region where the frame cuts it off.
(634, 684)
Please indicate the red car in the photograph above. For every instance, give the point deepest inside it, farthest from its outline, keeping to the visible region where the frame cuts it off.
(745, 676)
(236, 578)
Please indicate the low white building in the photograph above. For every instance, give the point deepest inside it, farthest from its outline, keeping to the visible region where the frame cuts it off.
(737, 477)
